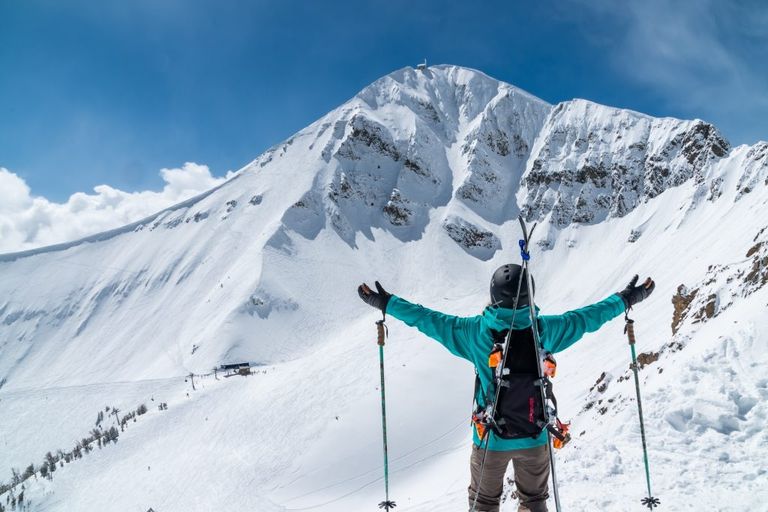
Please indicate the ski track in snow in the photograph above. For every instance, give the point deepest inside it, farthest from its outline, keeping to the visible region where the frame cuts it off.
(416, 182)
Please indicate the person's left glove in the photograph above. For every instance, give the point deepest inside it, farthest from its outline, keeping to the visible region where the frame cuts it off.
(633, 293)
(378, 299)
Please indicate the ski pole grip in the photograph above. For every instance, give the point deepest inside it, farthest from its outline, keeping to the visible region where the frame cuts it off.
(381, 332)
(630, 328)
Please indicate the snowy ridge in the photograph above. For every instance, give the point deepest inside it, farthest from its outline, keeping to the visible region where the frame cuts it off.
(106, 235)
(592, 161)
(416, 181)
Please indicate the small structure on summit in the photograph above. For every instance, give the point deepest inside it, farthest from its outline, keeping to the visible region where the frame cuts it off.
(422, 66)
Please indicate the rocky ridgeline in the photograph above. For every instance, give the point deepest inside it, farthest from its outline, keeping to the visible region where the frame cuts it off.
(417, 140)
(592, 162)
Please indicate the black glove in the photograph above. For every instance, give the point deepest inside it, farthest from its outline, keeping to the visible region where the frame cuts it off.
(378, 300)
(633, 294)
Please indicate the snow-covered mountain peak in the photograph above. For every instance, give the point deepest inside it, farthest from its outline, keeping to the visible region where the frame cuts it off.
(450, 89)
(413, 141)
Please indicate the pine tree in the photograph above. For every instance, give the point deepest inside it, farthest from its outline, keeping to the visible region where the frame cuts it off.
(96, 434)
(51, 460)
(29, 472)
(111, 435)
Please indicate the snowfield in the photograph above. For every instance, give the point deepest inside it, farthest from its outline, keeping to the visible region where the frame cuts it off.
(417, 182)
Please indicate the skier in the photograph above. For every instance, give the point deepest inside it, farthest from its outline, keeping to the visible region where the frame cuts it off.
(473, 338)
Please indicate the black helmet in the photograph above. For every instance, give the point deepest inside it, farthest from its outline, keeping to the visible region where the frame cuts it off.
(504, 287)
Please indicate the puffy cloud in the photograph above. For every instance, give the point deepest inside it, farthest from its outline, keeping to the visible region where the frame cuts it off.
(14, 192)
(27, 222)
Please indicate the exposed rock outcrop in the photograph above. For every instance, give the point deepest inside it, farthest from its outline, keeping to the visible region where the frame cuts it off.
(475, 240)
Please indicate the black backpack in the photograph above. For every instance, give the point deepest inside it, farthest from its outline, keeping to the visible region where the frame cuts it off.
(519, 412)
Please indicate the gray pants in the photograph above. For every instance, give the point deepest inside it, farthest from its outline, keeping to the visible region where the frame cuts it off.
(531, 467)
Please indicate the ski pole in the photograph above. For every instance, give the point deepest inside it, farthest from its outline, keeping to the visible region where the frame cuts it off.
(534, 325)
(485, 439)
(629, 328)
(381, 329)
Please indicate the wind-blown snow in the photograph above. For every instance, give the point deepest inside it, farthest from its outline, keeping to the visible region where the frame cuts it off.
(417, 182)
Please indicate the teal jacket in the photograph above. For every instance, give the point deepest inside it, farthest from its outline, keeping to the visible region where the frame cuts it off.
(470, 338)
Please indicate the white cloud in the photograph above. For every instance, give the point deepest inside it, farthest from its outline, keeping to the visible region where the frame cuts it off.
(27, 222)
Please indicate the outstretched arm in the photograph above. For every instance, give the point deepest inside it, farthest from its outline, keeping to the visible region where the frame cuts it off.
(561, 331)
(453, 332)
(558, 332)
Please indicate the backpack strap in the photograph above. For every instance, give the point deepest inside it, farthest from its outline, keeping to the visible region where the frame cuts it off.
(558, 430)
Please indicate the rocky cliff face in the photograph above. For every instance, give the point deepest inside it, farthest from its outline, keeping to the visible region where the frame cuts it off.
(417, 140)
(591, 162)
(414, 141)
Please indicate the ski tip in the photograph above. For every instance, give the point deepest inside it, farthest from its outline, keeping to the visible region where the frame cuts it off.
(650, 502)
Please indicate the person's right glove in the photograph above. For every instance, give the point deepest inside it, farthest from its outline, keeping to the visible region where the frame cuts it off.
(633, 294)
(378, 299)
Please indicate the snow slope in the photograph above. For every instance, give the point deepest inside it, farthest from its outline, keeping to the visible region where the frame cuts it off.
(417, 182)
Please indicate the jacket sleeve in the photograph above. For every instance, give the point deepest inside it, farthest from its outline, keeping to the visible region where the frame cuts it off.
(453, 332)
(558, 332)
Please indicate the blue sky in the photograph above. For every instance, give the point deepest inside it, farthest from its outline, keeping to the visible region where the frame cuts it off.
(107, 92)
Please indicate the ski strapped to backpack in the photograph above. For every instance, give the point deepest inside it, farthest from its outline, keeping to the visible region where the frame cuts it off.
(524, 403)
(548, 412)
